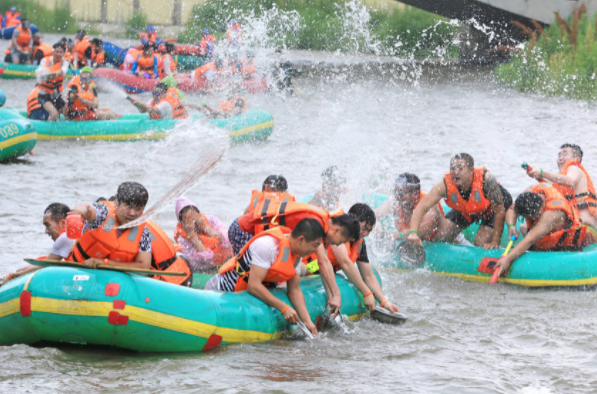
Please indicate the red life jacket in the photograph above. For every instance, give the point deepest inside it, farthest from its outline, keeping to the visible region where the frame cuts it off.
(572, 235)
(477, 204)
(283, 269)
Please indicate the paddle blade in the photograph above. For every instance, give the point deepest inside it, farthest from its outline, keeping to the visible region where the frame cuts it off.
(199, 170)
(385, 316)
(413, 256)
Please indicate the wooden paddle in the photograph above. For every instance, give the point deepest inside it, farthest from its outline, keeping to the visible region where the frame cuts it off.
(59, 263)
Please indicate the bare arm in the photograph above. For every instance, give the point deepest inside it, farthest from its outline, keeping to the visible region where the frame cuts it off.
(316, 199)
(429, 201)
(546, 223)
(371, 281)
(297, 299)
(385, 209)
(353, 274)
(328, 278)
(86, 211)
(571, 179)
(494, 193)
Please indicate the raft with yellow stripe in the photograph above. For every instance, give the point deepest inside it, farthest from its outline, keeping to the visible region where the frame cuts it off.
(85, 306)
(254, 125)
(533, 269)
(22, 71)
(17, 137)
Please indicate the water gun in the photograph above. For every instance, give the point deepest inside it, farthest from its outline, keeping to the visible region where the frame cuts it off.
(528, 168)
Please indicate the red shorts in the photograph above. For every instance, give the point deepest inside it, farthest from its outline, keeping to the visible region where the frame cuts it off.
(91, 115)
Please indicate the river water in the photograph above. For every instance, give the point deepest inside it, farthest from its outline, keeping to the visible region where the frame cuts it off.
(374, 122)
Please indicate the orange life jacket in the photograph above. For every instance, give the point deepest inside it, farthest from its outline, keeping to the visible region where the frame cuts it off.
(44, 48)
(200, 71)
(582, 200)
(11, 19)
(203, 45)
(401, 223)
(103, 242)
(572, 235)
(69, 56)
(151, 38)
(80, 48)
(477, 203)
(248, 67)
(282, 269)
(99, 58)
(161, 69)
(257, 196)
(22, 39)
(234, 34)
(164, 258)
(146, 63)
(32, 101)
(54, 85)
(354, 251)
(211, 243)
(228, 106)
(270, 213)
(77, 107)
(178, 110)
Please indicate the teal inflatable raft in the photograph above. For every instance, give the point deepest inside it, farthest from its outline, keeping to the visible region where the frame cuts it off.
(22, 71)
(83, 306)
(255, 125)
(533, 269)
(17, 137)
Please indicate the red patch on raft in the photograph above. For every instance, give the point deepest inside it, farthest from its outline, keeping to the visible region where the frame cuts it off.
(213, 341)
(119, 304)
(25, 303)
(117, 319)
(112, 289)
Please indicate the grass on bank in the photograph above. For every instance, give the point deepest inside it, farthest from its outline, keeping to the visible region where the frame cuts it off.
(328, 25)
(560, 60)
(57, 21)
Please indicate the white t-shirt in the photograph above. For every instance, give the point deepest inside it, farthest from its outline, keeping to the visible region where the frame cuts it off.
(62, 246)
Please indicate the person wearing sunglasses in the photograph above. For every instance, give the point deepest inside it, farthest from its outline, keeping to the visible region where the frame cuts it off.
(83, 103)
(165, 105)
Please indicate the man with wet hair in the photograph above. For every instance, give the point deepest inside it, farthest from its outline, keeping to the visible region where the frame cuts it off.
(54, 221)
(552, 224)
(271, 257)
(333, 187)
(573, 181)
(348, 256)
(103, 243)
(474, 196)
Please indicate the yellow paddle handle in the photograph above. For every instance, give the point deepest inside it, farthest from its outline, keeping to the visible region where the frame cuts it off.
(508, 248)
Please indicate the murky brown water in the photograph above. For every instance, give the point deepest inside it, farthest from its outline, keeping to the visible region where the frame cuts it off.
(461, 338)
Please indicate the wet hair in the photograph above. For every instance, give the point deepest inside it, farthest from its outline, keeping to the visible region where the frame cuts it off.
(97, 42)
(147, 46)
(470, 162)
(527, 204)
(351, 228)
(239, 103)
(311, 229)
(185, 209)
(59, 44)
(100, 199)
(576, 151)
(162, 87)
(409, 181)
(57, 211)
(132, 194)
(277, 182)
(113, 198)
(363, 213)
(332, 174)
(170, 47)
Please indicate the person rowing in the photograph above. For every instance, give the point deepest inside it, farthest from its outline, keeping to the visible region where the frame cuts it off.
(474, 196)
(271, 257)
(552, 224)
(573, 181)
(351, 255)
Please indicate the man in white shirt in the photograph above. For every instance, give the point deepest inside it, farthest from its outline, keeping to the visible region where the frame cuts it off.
(55, 223)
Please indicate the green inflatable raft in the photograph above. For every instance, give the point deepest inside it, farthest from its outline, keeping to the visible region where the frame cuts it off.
(17, 137)
(22, 71)
(533, 269)
(254, 125)
(84, 306)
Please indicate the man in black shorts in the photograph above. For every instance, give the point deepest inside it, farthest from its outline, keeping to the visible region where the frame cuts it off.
(474, 196)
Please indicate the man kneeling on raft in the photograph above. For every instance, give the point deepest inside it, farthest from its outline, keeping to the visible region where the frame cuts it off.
(352, 254)
(271, 257)
(83, 103)
(474, 196)
(552, 224)
(573, 181)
